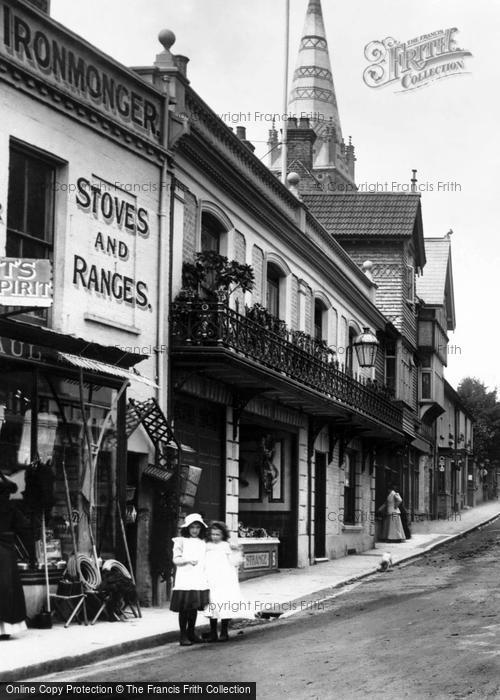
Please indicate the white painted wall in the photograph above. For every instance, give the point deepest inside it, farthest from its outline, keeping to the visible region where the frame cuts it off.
(88, 154)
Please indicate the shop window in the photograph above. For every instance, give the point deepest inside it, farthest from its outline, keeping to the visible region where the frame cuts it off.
(350, 490)
(30, 209)
(40, 416)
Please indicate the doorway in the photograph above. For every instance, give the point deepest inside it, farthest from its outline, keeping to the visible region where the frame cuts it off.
(320, 505)
(199, 424)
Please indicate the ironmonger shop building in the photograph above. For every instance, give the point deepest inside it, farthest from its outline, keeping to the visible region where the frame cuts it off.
(82, 161)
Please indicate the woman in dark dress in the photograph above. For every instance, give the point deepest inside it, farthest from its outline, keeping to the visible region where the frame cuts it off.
(12, 605)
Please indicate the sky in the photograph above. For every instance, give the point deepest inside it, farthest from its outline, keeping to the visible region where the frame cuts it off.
(447, 130)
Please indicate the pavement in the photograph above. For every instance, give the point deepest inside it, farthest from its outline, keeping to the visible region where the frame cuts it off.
(38, 652)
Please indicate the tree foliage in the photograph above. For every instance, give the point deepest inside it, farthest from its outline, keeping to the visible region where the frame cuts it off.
(484, 408)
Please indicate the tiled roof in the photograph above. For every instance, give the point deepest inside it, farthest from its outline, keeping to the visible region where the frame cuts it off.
(365, 214)
(431, 284)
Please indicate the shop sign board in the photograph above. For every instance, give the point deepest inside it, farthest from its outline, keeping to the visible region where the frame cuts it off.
(256, 560)
(48, 51)
(25, 282)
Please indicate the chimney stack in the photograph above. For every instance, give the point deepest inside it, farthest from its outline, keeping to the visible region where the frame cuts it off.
(300, 140)
(414, 181)
(181, 63)
(241, 133)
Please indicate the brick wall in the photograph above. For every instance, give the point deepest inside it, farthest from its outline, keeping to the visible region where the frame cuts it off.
(240, 254)
(240, 247)
(295, 302)
(189, 240)
(300, 146)
(258, 268)
(309, 311)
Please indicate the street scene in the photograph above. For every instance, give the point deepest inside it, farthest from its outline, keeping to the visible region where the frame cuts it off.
(249, 411)
(428, 629)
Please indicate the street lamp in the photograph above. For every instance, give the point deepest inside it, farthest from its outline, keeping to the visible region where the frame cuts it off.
(366, 345)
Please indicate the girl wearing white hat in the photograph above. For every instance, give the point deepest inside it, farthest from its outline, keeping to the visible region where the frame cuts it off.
(190, 592)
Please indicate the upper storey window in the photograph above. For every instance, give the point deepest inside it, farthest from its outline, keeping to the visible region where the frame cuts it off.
(30, 206)
(274, 276)
(211, 233)
(30, 213)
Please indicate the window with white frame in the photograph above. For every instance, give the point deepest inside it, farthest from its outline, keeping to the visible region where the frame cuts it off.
(410, 284)
(30, 211)
(30, 205)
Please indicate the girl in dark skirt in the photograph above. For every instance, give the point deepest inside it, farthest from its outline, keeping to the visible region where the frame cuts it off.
(190, 592)
(12, 605)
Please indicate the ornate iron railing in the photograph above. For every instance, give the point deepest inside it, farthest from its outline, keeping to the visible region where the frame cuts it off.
(291, 353)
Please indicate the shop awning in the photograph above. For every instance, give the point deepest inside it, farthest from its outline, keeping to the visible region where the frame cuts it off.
(48, 341)
(158, 473)
(89, 365)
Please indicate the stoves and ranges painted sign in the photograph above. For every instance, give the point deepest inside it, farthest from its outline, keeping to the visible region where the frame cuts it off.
(106, 264)
(36, 43)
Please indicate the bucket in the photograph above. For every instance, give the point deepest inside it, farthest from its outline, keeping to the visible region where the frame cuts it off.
(43, 621)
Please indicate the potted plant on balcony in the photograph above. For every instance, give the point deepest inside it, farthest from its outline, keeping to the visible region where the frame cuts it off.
(267, 320)
(212, 276)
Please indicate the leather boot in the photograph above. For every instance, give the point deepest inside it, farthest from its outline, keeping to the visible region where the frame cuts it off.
(183, 622)
(223, 637)
(192, 636)
(213, 630)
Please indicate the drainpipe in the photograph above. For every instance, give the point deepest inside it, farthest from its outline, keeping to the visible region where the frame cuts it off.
(163, 236)
(163, 222)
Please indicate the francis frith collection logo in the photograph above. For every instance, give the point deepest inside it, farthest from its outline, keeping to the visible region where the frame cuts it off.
(414, 63)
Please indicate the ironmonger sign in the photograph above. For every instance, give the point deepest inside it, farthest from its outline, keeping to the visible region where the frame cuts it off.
(44, 48)
(25, 282)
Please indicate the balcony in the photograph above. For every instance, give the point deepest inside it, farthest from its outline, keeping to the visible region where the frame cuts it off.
(284, 364)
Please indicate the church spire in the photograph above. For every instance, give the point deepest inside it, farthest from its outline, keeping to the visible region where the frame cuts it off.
(313, 95)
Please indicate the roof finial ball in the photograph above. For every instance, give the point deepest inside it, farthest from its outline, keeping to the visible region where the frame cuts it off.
(166, 38)
(293, 180)
(367, 268)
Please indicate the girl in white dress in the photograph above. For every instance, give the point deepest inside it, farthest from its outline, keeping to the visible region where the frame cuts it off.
(190, 592)
(222, 561)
